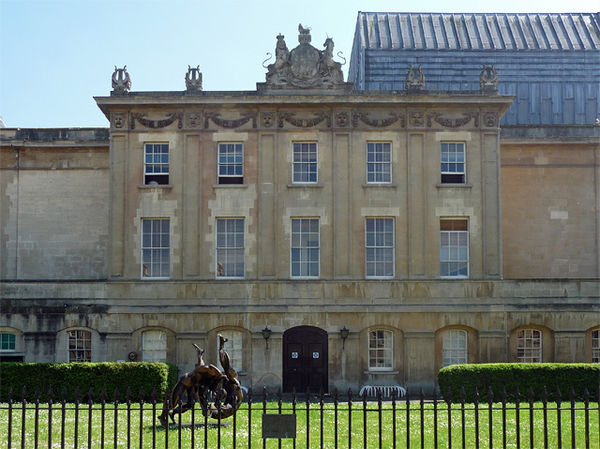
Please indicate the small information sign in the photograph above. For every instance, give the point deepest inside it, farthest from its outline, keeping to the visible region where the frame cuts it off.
(278, 426)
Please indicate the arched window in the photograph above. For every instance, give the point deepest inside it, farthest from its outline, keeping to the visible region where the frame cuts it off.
(529, 346)
(154, 346)
(454, 347)
(8, 342)
(80, 345)
(234, 347)
(381, 350)
(596, 346)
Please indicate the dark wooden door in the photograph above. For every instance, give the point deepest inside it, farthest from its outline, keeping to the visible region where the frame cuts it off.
(305, 359)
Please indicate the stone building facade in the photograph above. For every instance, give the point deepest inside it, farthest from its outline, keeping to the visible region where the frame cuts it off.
(338, 237)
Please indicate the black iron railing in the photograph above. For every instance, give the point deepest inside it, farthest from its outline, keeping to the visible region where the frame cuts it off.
(311, 421)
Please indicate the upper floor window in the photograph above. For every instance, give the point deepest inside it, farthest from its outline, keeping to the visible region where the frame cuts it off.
(379, 163)
(234, 347)
(529, 346)
(155, 248)
(453, 163)
(305, 247)
(596, 346)
(154, 346)
(230, 247)
(304, 164)
(454, 347)
(231, 163)
(454, 248)
(80, 346)
(7, 341)
(156, 163)
(381, 344)
(379, 251)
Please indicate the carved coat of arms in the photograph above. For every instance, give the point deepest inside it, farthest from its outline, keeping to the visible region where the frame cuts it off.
(304, 66)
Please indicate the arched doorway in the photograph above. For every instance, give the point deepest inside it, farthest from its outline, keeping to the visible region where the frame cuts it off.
(305, 359)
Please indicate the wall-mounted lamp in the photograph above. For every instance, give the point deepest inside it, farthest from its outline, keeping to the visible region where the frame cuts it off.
(344, 332)
(266, 333)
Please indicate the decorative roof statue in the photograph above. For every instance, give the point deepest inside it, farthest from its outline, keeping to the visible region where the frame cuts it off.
(488, 79)
(415, 79)
(304, 66)
(121, 82)
(193, 79)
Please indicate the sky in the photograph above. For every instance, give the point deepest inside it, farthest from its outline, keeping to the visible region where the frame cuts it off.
(56, 55)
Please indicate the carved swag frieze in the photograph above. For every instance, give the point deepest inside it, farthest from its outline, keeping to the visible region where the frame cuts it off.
(457, 122)
(215, 117)
(156, 124)
(290, 117)
(377, 123)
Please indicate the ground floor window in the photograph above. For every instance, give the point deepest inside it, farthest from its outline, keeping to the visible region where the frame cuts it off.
(381, 343)
(80, 346)
(233, 346)
(529, 346)
(7, 341)
(154, 346)
(454, 347)
(596, 346)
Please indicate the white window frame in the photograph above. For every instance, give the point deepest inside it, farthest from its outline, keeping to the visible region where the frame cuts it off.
(304, 262)
(148, 248)
(222, 252)
(227, 146)
(525, 342)
(454, 249)
(234, 347)
(154, 354)
(452, 166)
(374, 164)
(298, 164)
(387, 350)
(151, 161)
(81, 351)
(5, 338)
(596, 346)
(378, 244)
(454, 352)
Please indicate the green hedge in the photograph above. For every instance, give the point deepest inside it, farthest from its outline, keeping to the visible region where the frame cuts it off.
(522, 377)
(108, 376)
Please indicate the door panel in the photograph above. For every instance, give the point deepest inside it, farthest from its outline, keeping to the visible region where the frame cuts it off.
(305, 359)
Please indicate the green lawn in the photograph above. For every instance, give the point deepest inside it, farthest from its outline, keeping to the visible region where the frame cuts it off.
(357, 421)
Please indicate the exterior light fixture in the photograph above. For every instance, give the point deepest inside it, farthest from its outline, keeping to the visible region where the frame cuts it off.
(344, 332)
(266, 333)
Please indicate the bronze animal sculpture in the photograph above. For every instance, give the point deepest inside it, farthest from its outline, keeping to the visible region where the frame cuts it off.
(198, 386)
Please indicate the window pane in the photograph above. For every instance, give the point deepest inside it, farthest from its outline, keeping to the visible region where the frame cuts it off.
(379, 247)
(79, 345)
(230, 247)
(305, 247)
(155, 247)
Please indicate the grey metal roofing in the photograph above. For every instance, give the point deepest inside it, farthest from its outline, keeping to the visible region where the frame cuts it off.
(550, 62)
(394, 30)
